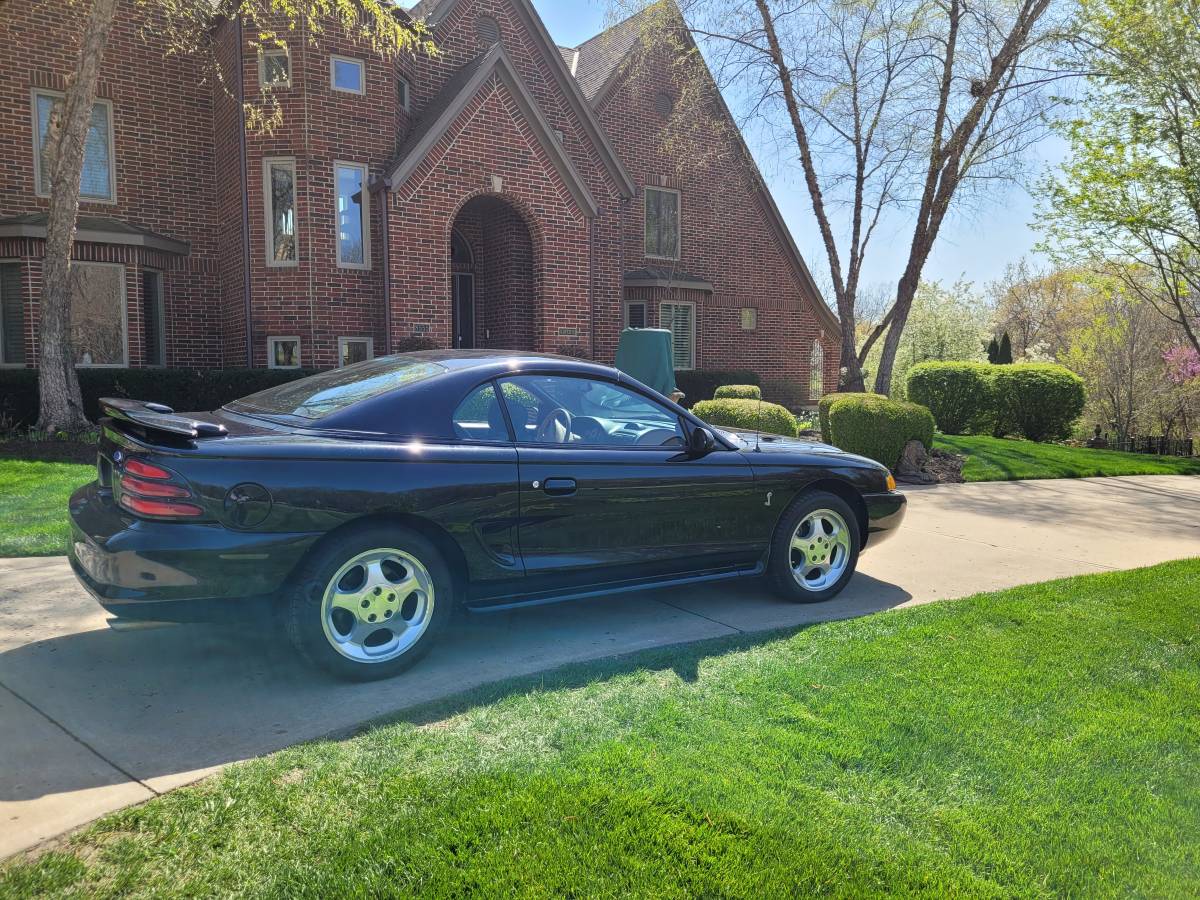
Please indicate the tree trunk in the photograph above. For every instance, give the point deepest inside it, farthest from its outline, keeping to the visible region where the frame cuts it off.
(60, 401)
(906, 290)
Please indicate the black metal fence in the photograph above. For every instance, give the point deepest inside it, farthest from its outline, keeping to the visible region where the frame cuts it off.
(1158, 445)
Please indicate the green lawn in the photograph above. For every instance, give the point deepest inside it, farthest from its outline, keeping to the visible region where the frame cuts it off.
(33, 505)
(1002, 459)
(1037, 742)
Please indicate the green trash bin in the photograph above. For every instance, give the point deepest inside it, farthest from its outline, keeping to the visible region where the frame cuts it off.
(645, 354)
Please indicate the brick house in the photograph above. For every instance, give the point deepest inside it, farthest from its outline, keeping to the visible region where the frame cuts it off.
(506, 193)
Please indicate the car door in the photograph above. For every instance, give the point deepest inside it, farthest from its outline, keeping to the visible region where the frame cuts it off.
(613, 495)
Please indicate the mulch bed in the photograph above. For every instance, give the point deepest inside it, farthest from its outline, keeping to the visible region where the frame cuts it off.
(48, 451)
(947, 467)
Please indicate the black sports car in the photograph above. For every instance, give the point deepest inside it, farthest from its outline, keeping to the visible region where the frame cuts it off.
(362, 505)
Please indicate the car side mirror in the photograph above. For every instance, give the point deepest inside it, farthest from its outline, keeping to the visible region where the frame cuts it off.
(701, 441)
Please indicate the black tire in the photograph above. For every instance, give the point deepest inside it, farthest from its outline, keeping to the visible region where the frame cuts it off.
(779, 564)
(302, 600)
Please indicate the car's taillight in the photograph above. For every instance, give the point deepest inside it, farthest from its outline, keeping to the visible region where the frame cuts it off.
(150, 490)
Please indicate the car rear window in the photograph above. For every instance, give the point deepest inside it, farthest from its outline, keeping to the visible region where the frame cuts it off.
(321, 395)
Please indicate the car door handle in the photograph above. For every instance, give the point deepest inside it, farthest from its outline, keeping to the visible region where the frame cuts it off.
(559, 487)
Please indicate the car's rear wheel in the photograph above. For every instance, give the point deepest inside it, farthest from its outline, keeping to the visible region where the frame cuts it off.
(369, 603)
(814, 550)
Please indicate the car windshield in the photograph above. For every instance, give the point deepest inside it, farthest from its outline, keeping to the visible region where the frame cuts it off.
(324, 394)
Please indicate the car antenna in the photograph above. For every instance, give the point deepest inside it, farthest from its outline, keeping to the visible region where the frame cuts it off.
(758, 426)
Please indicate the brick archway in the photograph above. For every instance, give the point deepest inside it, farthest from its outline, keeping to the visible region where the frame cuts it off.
(493, 271)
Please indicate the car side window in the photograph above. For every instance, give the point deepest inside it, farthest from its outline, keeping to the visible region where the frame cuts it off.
(562, 409)
(479, 417)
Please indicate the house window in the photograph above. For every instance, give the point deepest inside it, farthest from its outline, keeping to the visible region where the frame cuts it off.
(279, 195)
(274, 68)
(635, 315)
(352, 237)
(346, 74)
(403, 93)
(353, 350)
(98, 314)
(680, 320)
(816, 372)
(98, 179)
(749, 318)
(12, 315)
(283, 352)
(153, 320)
(662, 223)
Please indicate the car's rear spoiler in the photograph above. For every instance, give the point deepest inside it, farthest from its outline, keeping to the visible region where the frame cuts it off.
(158, 417)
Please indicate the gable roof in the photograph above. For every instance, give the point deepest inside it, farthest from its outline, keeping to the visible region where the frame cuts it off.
(603, 57)
(436, 11)
(453, 98)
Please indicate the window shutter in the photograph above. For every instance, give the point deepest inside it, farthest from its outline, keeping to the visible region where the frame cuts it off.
(12, 314)
(679, 318)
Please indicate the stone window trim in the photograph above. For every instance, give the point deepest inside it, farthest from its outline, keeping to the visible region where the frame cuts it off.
(343, 341)
(22, 298)
(334, 59)
(273, 340)
(287, 162)
(111, 199)
(667, 320)
(123, 299)
(365, 265)
(270, 52)
(749, 318)
(646, 191)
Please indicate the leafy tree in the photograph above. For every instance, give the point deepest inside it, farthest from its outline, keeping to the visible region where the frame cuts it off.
(1037, 308)
(890, 107)
(1004, 356)
(993, 350)
(185, 26)
(1130, 191)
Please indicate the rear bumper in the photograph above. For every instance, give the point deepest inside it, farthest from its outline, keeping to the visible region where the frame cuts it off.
(172, 570)
(885, 512)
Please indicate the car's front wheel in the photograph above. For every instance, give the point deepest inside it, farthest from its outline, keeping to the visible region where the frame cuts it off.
(369, 603)
(814, 549)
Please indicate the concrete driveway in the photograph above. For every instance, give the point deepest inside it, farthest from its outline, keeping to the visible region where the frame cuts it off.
(93, 719)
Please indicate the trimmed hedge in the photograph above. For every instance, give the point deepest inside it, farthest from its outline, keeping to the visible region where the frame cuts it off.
(738, 392)
(702, 384)
(750, 415)
(186, 390)
(878, 428)
(1040, 401)
(823, 410)
(961, 395)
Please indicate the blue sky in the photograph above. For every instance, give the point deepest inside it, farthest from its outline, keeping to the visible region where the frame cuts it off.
(976, 246)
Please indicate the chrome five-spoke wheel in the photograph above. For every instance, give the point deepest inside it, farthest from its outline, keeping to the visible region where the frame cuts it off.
(377, 605)
(819, 550)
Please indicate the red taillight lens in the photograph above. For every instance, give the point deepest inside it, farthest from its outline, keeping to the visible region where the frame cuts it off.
(160, 507)
(152, 488)
(145, 470)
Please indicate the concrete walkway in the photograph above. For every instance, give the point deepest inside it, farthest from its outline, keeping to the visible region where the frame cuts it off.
(92, 720)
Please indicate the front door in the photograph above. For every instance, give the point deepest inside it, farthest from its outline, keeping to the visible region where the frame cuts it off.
(608, 493)
(464, 310)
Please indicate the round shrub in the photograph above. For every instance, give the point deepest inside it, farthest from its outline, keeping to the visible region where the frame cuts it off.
(739, 392)
(749, 415)
(823, 410)
(959, 394)
(1040, 401)
(878, 428)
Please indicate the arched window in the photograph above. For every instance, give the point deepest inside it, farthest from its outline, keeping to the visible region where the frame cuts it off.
(816, 372)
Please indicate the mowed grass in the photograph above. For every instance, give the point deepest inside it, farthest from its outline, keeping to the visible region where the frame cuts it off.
(1003, 459)
(33, 505)
(1037, 742)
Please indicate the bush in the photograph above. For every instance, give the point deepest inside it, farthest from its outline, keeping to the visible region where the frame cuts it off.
(702, 384)
(878, 428)
(1040, 401)
(750, 415)
(186, 390)
(960, 395)
(823, 410)
(738, 392)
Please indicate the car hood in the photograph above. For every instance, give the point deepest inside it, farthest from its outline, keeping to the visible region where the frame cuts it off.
(774, 443)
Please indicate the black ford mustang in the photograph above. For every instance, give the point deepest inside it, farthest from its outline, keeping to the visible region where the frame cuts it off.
(362, 505)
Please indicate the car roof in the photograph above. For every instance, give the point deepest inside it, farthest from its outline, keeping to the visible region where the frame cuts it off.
(424, 409)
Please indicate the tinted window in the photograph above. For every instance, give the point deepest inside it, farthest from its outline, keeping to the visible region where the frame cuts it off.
(479, 417)
(327, 393)
(600, 413)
